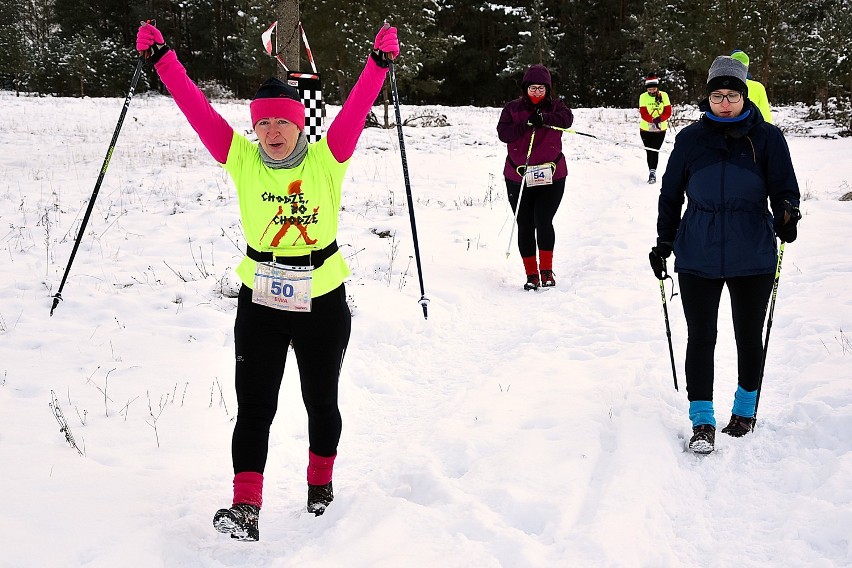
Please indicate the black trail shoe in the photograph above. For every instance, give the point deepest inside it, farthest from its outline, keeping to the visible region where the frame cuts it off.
(739, 426)
(240, 520)
(652, 177)
(319, 497)
(703, 439)
(533, 282)
(547, 279)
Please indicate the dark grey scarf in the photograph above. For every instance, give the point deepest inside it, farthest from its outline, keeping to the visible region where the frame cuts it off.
(294, 159)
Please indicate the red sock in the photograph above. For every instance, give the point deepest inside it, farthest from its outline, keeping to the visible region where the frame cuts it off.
(530, 265)
(248, 488)
(546, 259)
(319, 468)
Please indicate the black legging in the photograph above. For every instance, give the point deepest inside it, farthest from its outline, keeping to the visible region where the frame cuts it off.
(700, 298)
(652, 140)
(262, 336)
(535, 216)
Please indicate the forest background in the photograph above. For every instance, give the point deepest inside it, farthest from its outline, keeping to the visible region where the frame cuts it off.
(454, 53)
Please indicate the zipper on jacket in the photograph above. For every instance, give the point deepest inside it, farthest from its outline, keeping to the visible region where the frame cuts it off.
(722, 215)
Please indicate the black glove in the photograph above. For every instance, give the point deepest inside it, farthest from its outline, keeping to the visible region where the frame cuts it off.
(536, 120)
(656, 120)
(657, 258)
(786, 229)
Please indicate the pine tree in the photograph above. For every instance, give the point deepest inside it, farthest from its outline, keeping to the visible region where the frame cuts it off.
(15, 49)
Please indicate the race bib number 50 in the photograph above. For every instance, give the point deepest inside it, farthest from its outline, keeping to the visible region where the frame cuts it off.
(282, 287)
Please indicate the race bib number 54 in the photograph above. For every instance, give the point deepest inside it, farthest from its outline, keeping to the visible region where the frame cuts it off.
(282, 287)
(539, 175)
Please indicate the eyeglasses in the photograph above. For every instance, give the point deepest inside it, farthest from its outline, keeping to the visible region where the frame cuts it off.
(536, 89)
(733, 97)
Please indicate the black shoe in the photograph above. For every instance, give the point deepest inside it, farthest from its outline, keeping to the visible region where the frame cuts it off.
(319, 497)
(533, 282)
(240, 520)
(547, 279)
(703, 439)
(739, 426)
(652, 177)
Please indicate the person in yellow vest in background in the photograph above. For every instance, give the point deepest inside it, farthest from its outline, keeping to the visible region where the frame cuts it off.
(756, 90)
(655, 110)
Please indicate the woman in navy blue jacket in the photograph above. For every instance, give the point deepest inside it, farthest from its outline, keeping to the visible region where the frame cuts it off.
(733, 167)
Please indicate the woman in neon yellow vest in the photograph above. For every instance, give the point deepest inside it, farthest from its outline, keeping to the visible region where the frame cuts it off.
(655, 110)
(293, 293)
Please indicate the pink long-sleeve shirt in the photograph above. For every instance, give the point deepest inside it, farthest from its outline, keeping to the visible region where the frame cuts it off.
(216, 134)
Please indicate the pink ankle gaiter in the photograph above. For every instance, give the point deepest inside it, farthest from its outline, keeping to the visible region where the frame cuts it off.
(319, 468)
(248, 488)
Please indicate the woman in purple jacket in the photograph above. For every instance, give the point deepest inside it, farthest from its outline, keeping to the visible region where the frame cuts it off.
(543, 167)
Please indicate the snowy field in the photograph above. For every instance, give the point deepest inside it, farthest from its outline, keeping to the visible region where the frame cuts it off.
(510, 429)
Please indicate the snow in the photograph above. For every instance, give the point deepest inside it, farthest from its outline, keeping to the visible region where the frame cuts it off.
(510, 429)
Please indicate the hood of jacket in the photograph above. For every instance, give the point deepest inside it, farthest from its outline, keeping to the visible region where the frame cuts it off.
(537, 75)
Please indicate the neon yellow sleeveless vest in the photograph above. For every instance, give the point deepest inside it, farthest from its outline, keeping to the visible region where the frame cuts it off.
(655, 108)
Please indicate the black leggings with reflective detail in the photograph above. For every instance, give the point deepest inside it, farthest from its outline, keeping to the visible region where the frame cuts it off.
(535, 216)
(700, 297)
(262, 336)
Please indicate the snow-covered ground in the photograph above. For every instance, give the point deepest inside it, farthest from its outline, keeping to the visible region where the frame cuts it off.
(510, 429)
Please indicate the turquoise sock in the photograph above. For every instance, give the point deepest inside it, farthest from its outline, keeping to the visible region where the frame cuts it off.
(701, 412)
(744, 402)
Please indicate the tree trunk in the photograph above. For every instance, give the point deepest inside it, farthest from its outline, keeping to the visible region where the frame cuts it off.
(289, 39)
(342, 83)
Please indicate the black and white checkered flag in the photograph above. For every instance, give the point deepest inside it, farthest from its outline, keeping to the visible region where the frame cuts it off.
(310, 90)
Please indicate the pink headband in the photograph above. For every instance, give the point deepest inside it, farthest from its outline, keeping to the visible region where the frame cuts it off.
(280, 107)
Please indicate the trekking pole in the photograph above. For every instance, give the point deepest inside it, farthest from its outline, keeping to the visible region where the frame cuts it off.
(424, 301)
(520, 194)
(668, 329)
(616, 142)
(58, 296)
(769, 325)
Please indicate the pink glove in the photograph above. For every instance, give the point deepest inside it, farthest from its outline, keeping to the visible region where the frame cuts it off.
(387, 42)
(148, 36)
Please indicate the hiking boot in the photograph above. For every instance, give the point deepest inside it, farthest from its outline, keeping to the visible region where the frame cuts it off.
(652, 176)
(319, 497)
(533, 282)
(703, 439)
(240, 520)
(547, 279)
(739, 426)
